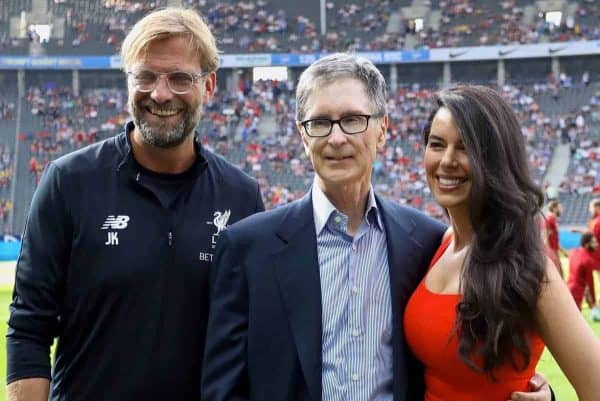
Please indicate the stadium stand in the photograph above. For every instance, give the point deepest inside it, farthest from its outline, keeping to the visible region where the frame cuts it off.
(97, 27)
(253, 124)
(575, 209)
(583, 134)
(55, 121)
(8, 126)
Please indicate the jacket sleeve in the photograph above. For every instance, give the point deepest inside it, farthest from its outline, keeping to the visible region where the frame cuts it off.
(35, 309)
(224, 374)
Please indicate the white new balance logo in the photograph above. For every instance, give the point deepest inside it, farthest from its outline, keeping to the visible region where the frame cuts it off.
(114, 223)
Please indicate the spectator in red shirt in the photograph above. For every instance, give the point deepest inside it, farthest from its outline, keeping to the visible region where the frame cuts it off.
(552, 245)
(581, 265)
(594, 223)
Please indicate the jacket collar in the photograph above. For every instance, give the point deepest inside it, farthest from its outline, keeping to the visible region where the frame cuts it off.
(128, 163)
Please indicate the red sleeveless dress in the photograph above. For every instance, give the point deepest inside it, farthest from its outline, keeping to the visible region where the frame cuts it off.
(428, 324)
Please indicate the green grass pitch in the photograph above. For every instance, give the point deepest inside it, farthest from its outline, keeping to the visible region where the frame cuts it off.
(547, 365)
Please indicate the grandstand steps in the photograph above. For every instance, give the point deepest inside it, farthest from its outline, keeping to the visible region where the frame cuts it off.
(237, 135)
(410, 41)
(434, 20)
(559, 165)
(529, 15)
(575, 209)
(394, 24)
(24, 191)
(307, 8)
(267, 125)
(571, 11)
(566, 100)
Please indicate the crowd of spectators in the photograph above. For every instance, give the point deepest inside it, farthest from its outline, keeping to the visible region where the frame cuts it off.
(233, 126)
(8, 114)
(6, 167)
(466, 22)
(5, 209)
(7, 109)
(273, 152)
(62, 122)
(264, 26)
(6, 176)
(583, 134)
(277, 158)
(248, 26)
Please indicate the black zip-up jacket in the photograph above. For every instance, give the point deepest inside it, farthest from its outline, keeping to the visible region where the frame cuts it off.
(121, 280)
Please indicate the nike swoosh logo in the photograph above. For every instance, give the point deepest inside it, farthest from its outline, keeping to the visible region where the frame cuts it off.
(457, 54)
(553, 50)
(502, 53)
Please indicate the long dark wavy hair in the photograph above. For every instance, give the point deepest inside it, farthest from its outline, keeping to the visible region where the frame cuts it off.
(505, 267)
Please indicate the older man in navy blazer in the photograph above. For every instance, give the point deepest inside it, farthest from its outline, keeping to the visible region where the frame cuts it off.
(308, 299)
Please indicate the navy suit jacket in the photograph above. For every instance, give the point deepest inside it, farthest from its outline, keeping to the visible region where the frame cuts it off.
(264, 332)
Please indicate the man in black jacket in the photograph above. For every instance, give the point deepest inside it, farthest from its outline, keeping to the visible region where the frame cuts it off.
(120, 236)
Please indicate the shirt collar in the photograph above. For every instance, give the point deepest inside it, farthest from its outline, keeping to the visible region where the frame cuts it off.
(323, 208)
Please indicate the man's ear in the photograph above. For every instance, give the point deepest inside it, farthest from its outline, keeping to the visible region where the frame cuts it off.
(382, 133)
(210, 86)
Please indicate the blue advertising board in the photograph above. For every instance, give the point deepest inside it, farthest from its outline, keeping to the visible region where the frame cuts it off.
(227, 60)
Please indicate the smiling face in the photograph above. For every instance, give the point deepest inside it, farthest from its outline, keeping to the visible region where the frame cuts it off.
(341, 159)
(162, 118)
(447, 164)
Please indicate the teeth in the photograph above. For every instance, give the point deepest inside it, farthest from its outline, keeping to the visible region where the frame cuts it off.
(163, 112)
(449, 182)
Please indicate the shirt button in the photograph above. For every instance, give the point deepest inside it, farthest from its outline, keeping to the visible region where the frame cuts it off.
(337, 219)
(353, 247)
(354, 377)
(354, 289)
(355, 333)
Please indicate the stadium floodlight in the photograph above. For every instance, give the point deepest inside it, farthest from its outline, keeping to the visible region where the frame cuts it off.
(554, 17)
(269, 73)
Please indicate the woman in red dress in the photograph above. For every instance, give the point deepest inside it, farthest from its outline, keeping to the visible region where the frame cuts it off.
(491, 298)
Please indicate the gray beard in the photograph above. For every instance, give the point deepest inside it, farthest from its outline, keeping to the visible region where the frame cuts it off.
(163, 137)
(160, 136)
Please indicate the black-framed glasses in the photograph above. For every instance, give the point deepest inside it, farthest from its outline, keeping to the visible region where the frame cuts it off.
(179, 82)
(350, 124)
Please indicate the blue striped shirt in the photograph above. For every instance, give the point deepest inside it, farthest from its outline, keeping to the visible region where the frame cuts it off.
(357, 309)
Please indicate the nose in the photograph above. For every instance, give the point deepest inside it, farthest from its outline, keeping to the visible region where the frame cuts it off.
(337, 136)
(161, 93)
(449, 158)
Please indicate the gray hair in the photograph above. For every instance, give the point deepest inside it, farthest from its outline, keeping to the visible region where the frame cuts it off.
(338, 66)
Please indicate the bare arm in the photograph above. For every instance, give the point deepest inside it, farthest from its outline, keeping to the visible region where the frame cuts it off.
(35, 389)
(569, 337)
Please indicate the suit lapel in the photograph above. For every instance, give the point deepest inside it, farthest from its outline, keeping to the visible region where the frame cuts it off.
(403, 254)
(297, 271)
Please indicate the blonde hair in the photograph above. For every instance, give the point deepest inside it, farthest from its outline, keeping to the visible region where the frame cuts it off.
(593, 204)
(167, 23)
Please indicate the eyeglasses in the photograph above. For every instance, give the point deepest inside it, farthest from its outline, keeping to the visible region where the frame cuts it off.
(179, 82)
(352, 124)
